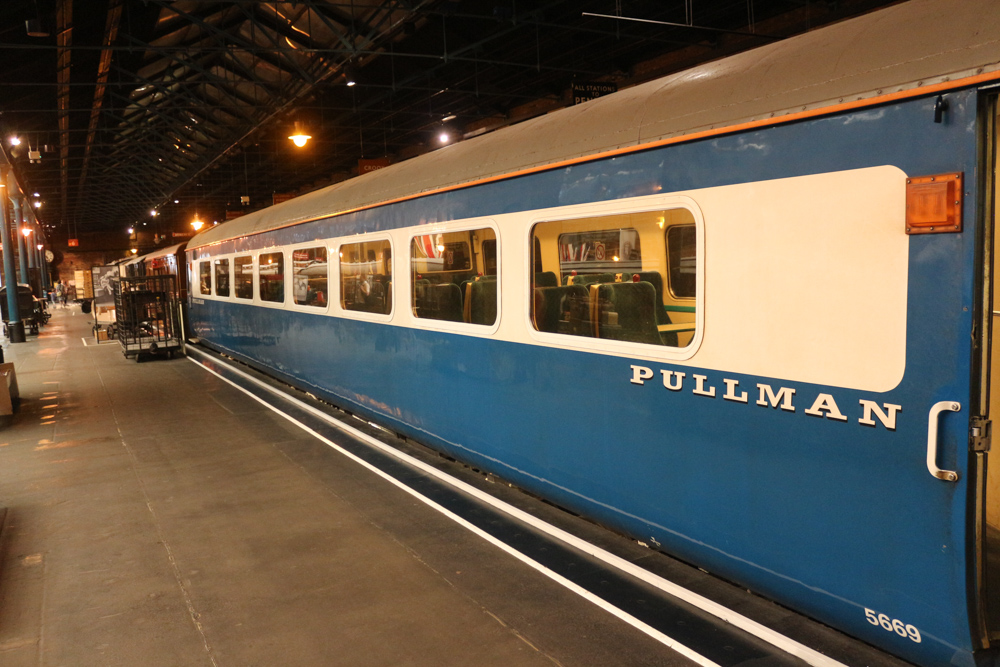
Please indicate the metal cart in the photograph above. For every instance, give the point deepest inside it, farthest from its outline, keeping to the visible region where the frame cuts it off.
(146, 315)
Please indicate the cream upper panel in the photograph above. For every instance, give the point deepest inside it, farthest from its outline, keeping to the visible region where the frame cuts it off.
(806, 278)
(803, 279)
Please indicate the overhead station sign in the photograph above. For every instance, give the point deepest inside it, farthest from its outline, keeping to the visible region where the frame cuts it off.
(584, 91)
(365, 166)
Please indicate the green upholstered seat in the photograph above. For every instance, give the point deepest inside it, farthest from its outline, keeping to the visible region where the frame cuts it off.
(635, 308)
(656, 280)
(444, 302)
(563, 309)
(482, 296)
(546, 279)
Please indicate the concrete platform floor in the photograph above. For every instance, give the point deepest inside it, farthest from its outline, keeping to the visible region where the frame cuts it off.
(157, 516)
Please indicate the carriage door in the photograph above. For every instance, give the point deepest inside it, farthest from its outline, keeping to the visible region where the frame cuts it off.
(986, 463)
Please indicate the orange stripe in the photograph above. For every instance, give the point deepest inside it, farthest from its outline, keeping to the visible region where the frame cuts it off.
(694, 136)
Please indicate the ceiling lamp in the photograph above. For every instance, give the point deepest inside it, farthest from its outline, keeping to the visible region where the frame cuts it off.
(15, 141)
(197, 224)
(299, 138)
(350, 76)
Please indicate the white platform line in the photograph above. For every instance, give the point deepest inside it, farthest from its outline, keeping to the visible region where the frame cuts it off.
(776, 639)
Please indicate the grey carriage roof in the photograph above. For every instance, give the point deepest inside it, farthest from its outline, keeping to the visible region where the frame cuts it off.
(911, 48)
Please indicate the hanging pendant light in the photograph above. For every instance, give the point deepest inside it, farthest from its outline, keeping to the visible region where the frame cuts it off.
(299, 138)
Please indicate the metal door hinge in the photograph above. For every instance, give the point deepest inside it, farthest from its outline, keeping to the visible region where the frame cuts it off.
(980, 434)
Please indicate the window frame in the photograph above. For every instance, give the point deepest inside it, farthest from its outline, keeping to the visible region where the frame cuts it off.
(216, 262)
(211, 277)
(273, 250)
(334, 249)
(253, 280)
(467, 225)
(612, 208)
(312, 245)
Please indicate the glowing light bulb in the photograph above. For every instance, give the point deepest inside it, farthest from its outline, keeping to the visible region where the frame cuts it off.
(299, 138)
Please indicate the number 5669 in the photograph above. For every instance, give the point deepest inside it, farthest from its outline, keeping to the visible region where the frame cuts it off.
(892, 625)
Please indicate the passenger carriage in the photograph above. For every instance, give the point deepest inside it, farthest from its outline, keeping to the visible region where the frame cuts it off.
(741, 313)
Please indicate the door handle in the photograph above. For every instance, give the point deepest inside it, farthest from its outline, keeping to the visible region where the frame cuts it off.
(932, 439)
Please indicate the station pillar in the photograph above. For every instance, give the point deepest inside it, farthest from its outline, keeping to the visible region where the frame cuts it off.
(22, 251)
(15, 327)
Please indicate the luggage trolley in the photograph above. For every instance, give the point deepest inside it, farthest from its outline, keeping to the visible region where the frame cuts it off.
(146, 315)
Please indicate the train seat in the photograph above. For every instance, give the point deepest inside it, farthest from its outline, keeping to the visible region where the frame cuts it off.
(481, 302)
(444, 302)
(656, 280)
(625, 311)
(546, 279)
(563, 309)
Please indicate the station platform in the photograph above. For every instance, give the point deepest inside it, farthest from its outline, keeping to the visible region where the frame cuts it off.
(159, 513)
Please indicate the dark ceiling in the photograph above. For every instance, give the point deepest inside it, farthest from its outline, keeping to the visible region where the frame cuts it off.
(186, 106)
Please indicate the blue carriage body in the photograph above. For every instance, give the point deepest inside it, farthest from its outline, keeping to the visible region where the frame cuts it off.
(818, 503)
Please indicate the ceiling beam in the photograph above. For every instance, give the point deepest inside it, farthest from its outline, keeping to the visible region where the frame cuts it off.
(103, 69)
(64, 39)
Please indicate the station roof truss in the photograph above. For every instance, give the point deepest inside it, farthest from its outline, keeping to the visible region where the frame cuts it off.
(125, 107)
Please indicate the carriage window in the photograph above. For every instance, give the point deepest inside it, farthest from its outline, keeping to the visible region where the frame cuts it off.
(222, 277)
(682, 260)
(366, 276)
(243, 268)
(309, 276)
(205, 277)
(454, 276)
(272, 277)
(604, 277)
